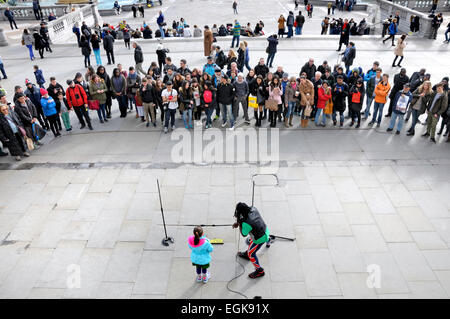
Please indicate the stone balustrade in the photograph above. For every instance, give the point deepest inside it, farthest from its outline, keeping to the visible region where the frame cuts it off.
(424, 5)
(26, 12)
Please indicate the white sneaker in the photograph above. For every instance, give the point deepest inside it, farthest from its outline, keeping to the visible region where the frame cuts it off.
(231, 128)
(206, 277)
(199, 278)
(224, 124)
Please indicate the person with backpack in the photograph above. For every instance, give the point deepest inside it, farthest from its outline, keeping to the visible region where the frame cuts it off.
(250, 222)
(392, 31)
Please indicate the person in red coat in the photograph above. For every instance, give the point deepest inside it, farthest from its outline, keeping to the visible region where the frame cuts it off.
(324, 94)
(77, 98)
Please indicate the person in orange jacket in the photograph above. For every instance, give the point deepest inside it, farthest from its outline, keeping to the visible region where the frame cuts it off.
(381, 94)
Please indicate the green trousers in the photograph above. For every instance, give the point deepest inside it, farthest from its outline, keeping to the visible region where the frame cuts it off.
(66, 120)
(431, 124)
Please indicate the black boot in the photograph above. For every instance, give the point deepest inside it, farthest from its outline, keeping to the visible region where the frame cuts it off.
(259, 272)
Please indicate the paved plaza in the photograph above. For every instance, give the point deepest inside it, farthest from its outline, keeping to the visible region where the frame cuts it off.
(369, 211)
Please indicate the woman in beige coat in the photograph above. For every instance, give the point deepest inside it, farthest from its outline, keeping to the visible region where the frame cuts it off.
(401, 44)
(207, 40)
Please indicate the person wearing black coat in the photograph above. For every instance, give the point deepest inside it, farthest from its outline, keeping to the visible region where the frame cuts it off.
(225, 98)
(85, 51)
(101, 72)
(134, 9)
(147, 33)
(258, 89)
(309, 68)
(261, 68)
(10, 134)
(39, 44)
(27, 114)
(43, 31)
(356, 93)
(345, 34)
(339, 96)
(400, 80)
(108, 45)
(271, 49)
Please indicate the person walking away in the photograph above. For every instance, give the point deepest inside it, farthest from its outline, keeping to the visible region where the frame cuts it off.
(207, 41)
(250, 222)
(401, 44)
(77, 99)
(49, 107)
(97, 91)
(348, 56)
(437, 106)
(435, 25)
(236, 33)
(357, 98)
(64, 110)
(401, 103)
(95, 41)
(170, 101)
(28, 41)
(108, 46)
(85, 51)
(272, 49)
(392, 31)
(344, 34)
(36, 8)
(10, 135)
(126, 38)
(300, 20)
(381, 94)
(281, 21)
(201, 249)
(10, 16)
(39, 76)
(290, 24)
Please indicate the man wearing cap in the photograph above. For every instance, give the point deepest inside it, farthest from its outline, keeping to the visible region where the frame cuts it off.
(77, 99)
(32, 92)
(242, 91)
(169, 97)
(209, 67)
(225, 97)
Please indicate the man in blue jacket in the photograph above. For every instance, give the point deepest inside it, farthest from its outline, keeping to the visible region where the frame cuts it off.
(160, 22)
(10, 15)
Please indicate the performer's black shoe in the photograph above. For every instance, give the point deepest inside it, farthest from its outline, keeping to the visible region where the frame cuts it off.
(243, 255)
(257, 273)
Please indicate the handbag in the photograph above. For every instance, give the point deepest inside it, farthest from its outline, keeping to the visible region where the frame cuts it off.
(328, 107)
(252, 102)
(22, 131)
(267, 50)
(38, 132)
(30, 144)
(308, 110)
(93, 104)
(272, 105)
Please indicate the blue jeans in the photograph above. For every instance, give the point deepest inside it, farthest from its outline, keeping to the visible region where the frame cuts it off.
(415, 115)
(30, 50)
(400, 121)
(247, 65)
(447, 38)
(341, 116)
(298, 30)
(270, 59)
(324, 116)
(378, 108)
(290, 31)
(235, 37)
(188, 121)
(170, 114)
(162, 32)
(209, 111)
(368, 104)
(227, 109)
(101, 112)
(98, 59)
(290, 109)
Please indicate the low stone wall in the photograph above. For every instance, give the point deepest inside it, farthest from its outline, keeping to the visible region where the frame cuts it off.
(425, 5)
(388, 8)
(26, 12)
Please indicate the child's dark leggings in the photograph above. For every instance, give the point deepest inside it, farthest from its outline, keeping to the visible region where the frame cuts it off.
(252, 249)
(201, 270)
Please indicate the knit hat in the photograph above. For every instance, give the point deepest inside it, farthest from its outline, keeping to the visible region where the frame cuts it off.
(69, 82)
(27, 82)
(285, 75)
(43, 91)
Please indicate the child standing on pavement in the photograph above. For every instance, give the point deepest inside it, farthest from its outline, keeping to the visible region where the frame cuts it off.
(63, 107)
(200, 255)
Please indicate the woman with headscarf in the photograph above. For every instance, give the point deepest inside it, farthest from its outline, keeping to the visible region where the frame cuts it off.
(101, 72)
